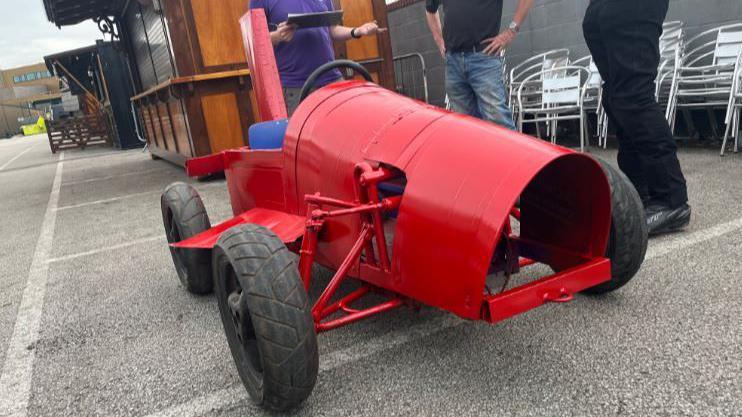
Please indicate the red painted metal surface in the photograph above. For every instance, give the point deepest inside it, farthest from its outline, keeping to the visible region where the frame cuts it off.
(463, 178)
(286, 226)
(263, 70)
(438, 238)
(559, 288)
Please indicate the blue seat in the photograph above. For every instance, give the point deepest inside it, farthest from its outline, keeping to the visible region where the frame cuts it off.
(267, 135)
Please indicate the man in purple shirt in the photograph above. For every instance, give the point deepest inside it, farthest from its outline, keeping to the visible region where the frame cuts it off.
(300, 51)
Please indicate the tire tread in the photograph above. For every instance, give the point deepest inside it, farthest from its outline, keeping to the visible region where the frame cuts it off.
(281, 314)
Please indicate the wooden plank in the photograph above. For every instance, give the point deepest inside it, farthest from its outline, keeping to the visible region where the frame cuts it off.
(355, 14)
(79, 132)
(192, 79)
(167, 127)
(218, 32)
(156, 131)
(222, 121)
(180, 129)
(147, 120)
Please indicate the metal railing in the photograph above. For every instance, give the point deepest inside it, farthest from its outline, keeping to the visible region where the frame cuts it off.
(411, 78)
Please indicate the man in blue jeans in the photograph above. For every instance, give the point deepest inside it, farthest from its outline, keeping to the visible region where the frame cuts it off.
(471, 41)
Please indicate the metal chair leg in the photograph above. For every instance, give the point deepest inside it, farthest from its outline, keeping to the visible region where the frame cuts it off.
(582, 131)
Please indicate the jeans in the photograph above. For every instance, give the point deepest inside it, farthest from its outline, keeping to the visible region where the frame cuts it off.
(623, 37)
(474, 84)
(292, 95)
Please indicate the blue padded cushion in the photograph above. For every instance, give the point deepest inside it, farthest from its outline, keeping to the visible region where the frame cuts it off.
(267, 135)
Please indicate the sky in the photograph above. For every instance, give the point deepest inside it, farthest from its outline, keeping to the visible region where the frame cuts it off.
(26, 35)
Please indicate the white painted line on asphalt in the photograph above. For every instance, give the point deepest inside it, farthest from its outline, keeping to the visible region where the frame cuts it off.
(111, 177)
(106, 200)
(83, 156)
(106, 249)
(13, 159)
(15, 381)
(127, 196)
(236, 394)
(685, 240)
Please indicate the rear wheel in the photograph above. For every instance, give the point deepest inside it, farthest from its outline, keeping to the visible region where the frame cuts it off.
(266, 315)
(184, 216)
(627, 242)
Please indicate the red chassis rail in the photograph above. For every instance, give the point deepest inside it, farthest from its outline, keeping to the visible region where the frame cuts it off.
(370, 249)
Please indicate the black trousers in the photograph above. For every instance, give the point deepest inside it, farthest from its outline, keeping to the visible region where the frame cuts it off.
(623, 37)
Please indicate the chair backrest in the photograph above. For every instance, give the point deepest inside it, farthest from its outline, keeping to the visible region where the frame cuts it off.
(728, 45)
(558, 86)
(267, 135)
(261, 59)
(716, 46)
(594, 80)
(671, 40)
(537, 63)
(561, 90)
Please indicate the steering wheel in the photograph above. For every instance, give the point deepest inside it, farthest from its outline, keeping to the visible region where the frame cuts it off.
(338, 63)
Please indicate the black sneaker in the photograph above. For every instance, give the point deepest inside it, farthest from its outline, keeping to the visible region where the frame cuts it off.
(662, 219)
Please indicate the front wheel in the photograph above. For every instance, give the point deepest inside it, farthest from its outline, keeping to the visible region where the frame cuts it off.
(266, 316)
(627, 242)
(184, 216)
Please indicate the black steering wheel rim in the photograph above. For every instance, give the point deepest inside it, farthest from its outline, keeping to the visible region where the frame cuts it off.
(338, 63)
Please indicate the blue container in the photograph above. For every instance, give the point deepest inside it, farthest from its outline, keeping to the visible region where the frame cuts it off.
(267, 135)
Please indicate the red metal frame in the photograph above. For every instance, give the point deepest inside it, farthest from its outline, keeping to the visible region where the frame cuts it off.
(460, 179)
(557, 288)
(370, 208)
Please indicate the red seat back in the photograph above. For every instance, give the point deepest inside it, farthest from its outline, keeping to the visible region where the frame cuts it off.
(266, 83)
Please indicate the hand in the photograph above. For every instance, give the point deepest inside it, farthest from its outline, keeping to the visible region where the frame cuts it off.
(442, 48)
(368, 29)
(285, 32)
(499, 42)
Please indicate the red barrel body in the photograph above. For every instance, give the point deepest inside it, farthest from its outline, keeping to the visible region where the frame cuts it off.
(463, 177)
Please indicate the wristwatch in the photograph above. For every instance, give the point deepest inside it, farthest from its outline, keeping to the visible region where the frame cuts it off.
(514, 27)
(353, 34)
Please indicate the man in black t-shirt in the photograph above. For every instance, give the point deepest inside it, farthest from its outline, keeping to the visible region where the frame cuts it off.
(471, 41)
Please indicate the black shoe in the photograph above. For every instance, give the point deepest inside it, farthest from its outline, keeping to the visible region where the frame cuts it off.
(662, 219)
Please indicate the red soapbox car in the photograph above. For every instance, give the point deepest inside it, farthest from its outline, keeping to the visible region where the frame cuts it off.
(413, 202)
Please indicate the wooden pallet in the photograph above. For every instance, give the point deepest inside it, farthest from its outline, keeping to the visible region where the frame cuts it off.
(79, 132)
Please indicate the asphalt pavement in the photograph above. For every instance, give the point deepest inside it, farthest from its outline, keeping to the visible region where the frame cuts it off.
(93, 321)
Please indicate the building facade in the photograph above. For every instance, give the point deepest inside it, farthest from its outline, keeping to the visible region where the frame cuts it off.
(25, 93)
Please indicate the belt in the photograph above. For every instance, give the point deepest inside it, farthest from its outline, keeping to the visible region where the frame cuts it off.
(472, 49)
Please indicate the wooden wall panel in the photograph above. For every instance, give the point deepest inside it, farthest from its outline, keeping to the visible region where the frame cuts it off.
(180, 128)
(156, 126)
(223, 123)
(218, 31)
(355, 14)
(375, 53)
(167, 127)
(374, 76)
(148, 125)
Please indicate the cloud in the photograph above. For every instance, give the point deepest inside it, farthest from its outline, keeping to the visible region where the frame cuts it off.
(26, 36)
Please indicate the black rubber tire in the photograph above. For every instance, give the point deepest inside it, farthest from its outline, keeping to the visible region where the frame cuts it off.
(627, 243)
(266, 315)
(184, 216)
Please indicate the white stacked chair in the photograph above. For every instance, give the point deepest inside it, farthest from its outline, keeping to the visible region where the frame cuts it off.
(594, 96)
(709, 77)
(561, 92)
(533, 65)
(672, 44)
